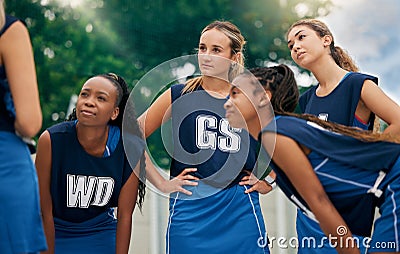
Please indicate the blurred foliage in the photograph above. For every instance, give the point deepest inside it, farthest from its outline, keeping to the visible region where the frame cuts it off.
(129, 37)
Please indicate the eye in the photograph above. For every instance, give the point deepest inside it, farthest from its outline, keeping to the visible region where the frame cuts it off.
(234, 92)
(301, 37)
(216, 50)
(201, 48)
(290, 46)
(102, 98)
(84, 94)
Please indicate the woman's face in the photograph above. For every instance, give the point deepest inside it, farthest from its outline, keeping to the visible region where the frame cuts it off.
(241, 107)
(96, 104)
(215, 54)
(305, 46)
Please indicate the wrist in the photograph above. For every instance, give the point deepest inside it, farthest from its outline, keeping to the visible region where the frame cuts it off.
(270, 181)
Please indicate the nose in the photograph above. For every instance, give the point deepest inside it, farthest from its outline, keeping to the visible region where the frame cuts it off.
(205, 56)
(227, 104)
(89, 101)
(296, 47)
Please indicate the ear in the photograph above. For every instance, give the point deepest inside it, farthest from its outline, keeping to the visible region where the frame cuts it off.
(327, 40)
(237, 56)
(115, 113)
(265, 99)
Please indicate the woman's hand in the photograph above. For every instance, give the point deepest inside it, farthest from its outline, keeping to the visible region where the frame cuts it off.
(177, 183)
(261, 186)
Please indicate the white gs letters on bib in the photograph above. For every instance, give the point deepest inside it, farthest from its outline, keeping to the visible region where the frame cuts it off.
(207, 134)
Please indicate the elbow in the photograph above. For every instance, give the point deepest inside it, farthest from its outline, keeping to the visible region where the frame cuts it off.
(28, 127)
(319, 200)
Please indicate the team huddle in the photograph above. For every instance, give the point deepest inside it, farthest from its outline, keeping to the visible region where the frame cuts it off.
(79, 194)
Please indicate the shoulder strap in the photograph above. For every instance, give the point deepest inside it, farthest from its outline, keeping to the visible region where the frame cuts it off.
(176, 91)
(306, 98)
(9, 21)
(357, 80)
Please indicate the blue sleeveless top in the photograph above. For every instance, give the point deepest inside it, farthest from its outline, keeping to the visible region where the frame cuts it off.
(84, 186)
(346, 167)
(340, 105)
(203, 139)
(7, 111)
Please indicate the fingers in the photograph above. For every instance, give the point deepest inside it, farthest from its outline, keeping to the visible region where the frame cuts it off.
(261, 187)
(185, 174)
(184, 191)
(253, 188)
(190, 183)
(245, 182)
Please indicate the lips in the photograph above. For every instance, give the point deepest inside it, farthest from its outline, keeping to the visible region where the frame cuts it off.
(228, 113)
(87, 113)
(206, 66)
(300, 54)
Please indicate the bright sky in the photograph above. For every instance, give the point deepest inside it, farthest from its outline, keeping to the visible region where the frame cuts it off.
(370, 31)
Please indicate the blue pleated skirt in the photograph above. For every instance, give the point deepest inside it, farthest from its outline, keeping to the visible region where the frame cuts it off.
(222, 221)
(21, 229)
(97, 235)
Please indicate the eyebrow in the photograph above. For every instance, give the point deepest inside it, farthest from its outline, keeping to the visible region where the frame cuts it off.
(215, 46)
(295, 35)
(98, 92)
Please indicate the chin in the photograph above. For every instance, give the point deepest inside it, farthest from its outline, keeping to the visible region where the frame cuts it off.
(237, 124)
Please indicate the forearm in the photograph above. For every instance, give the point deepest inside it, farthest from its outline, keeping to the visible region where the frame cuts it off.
(393, 130)
(48, 224)
(334, 227)
(124, 227)
(153, 175)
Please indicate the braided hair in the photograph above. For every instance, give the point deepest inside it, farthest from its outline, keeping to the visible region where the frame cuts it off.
(122, 98)
(280, 81)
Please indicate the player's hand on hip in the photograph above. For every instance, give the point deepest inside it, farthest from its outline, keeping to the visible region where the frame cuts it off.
(261, 186)
(184, 178)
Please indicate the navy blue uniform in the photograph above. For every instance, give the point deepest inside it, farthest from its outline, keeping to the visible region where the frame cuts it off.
(219, 217)
(84, 190)
(21, 229)
(348, 170)
(339, 107)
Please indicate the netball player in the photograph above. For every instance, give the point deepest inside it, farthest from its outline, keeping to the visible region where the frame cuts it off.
(336, 175)
(343, 95)
(218, 217)
(84, 173)
(21, 229)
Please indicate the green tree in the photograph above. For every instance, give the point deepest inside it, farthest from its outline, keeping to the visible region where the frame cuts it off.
(130, 37)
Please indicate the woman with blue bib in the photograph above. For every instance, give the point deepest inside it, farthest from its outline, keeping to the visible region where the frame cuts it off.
(84, 173)
(343, 95)
(21, 229)
(336, 175)
(217, 216)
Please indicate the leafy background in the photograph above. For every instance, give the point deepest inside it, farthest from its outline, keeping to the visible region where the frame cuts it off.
(73, 40)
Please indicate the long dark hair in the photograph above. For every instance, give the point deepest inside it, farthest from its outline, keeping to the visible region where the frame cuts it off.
(339, 55)
(122, 98)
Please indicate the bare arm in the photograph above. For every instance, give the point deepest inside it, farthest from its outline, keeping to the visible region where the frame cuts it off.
(156, 114)
(126, 205)
(17, 56)
(149, 121)
(301, 174)
(43, 167)
(168, 186)
(379, 103)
